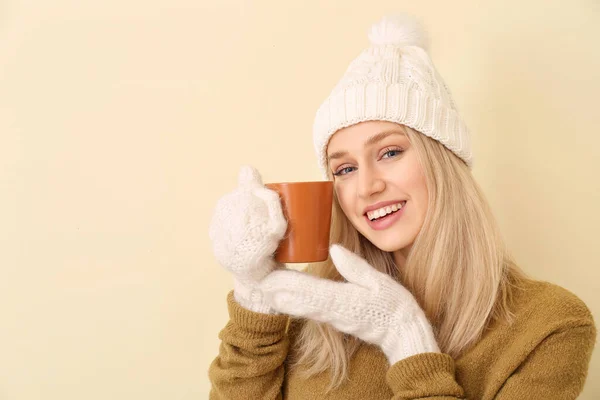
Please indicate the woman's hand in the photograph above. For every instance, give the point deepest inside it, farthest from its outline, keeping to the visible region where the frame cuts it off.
(371, 305)
(245, 230)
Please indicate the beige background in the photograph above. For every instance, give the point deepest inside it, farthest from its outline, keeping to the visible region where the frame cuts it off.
(122, 122)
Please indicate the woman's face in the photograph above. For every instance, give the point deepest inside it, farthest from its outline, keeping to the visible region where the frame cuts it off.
(376, 171)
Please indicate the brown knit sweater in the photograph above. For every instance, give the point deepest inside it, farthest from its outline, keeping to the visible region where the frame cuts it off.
(543, 354)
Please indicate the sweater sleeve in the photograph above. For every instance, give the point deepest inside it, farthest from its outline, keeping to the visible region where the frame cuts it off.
(250, 363)
(555, 369)
(425, 375)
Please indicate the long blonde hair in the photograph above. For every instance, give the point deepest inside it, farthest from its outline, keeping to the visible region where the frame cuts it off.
(458, 269)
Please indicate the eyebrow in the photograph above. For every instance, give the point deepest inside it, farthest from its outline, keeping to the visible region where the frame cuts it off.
(370, 141)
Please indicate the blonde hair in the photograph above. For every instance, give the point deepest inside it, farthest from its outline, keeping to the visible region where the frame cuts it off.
(458, 269)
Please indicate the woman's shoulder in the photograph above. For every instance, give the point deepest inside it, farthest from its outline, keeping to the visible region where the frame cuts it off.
(538, 300)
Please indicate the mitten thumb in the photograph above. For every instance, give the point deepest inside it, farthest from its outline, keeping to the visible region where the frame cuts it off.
(249, 177)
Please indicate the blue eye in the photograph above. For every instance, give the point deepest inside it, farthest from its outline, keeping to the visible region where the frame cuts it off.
(341, 171)
(393, 153)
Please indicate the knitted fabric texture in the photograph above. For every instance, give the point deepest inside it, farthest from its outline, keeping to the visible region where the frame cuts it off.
(543, 354)
(371, 305)
(245, 230)
(393, 80)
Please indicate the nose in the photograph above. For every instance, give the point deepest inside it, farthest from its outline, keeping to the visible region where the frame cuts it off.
(369, 182)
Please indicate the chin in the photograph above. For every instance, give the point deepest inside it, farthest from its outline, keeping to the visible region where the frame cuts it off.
(390, 247)
(389, 242)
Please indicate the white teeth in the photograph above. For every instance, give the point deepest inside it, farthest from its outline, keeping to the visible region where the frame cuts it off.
(383, 211)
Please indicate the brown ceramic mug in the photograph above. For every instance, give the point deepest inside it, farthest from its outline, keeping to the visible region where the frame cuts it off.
(307, 208)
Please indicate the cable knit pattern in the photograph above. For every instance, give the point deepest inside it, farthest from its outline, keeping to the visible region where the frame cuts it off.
(245, 230)
(393, 80)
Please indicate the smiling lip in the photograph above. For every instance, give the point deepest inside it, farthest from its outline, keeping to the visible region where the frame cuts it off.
(387, 221)
(380, 205)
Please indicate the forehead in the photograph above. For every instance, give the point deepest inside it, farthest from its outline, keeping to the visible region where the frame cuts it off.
(359, 134)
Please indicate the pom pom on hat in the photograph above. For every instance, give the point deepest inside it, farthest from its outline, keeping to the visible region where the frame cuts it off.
(399, 30)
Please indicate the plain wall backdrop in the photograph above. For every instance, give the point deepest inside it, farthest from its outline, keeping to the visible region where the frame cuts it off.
(122, 123)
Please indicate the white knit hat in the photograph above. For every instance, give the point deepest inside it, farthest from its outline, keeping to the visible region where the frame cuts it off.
(393, 80)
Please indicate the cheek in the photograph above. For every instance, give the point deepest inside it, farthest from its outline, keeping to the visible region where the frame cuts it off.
(345, 198)
(418, 188)
(411, 179)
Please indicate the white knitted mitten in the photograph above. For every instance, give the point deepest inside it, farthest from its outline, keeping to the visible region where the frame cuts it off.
(245, 231)
(371, 305)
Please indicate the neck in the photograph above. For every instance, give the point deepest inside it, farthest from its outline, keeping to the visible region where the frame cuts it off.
(401, 255)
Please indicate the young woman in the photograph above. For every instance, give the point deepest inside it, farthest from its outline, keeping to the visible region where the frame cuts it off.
(419, 298)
